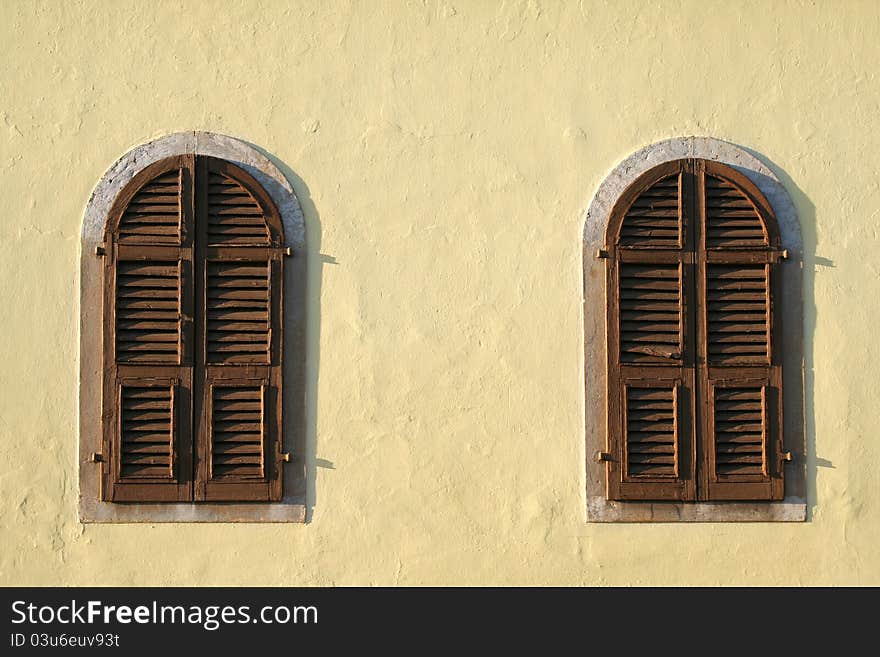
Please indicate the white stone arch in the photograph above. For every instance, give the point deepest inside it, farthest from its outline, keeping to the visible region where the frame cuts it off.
(243, 154)
(790, 310)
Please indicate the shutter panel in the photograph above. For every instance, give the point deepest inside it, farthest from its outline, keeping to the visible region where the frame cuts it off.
(738, 314)
(237, 311)
(650, 395)
(154, 213)
(235, 217)
(240, 350)
(739, 361)
(148, 338)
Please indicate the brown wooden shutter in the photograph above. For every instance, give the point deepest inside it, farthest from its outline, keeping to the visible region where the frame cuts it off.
(239, 354)
(650, 364)
(694, 357)
(147, 396)
(739, 360)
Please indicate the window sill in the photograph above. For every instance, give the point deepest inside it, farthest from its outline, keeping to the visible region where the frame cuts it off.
(93, 511)
(791, 509)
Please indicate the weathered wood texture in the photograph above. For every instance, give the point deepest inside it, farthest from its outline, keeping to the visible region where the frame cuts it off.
(694, 365)
(192, 337)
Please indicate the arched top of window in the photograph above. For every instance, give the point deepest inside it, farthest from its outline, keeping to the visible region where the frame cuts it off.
(691, 203)
(171, 200)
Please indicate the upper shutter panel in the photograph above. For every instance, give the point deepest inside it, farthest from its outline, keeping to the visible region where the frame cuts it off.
(154, 214)
(738, 314)
(653, 219)
(650, 318)
(732, 220)
(148, 317)
(235, 218)
(238, 311)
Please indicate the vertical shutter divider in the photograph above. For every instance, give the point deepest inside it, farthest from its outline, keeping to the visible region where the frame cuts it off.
(765, 418)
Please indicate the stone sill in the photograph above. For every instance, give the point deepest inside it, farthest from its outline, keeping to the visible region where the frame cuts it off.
(791, 509)
(92, 511)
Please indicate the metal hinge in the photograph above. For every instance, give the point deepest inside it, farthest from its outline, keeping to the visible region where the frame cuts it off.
(601, 253)
(287, 250)
(602, 457)
(100, 250)
(284, 457)
(786, 456)
(96, 457)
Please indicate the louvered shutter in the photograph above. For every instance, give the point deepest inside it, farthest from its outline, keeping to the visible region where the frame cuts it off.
(239, 354)
(739, 361)
(651, 377)
(148, 338)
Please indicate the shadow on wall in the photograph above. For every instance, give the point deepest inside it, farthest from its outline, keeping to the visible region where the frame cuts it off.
(811, 264)
(303, 278)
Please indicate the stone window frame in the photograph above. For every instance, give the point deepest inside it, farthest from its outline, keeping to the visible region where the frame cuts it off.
(790, 313)
(292, 507)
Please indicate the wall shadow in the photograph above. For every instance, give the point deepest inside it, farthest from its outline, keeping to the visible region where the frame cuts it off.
(302, 309)
(809, 263)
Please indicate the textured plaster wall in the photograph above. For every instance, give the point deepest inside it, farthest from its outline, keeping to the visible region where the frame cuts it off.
(444, 155)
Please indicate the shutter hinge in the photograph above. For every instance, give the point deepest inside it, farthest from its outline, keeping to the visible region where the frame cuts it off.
(786, 456)
(784, 254)
(284, 457)
(96, 457)
(601, 253)
(100, 250)
(287, 250)
(602, 457)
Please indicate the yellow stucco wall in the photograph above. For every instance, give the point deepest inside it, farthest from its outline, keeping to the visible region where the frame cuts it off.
(445, 154)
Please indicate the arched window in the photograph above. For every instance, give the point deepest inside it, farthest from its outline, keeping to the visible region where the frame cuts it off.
(192, 347)
(694, 346)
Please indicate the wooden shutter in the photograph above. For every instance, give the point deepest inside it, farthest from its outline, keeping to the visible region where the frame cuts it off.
(147, 396)
(239, 354)
(694, 358)
(651, 377)
(739, 365)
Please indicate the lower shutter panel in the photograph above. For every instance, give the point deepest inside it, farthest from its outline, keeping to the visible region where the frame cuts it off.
(744, 440)
(147, 432)
(150, 459)
(238, 433)
(240, 456)
(740, 424)
(652, 459)
(651, 431)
